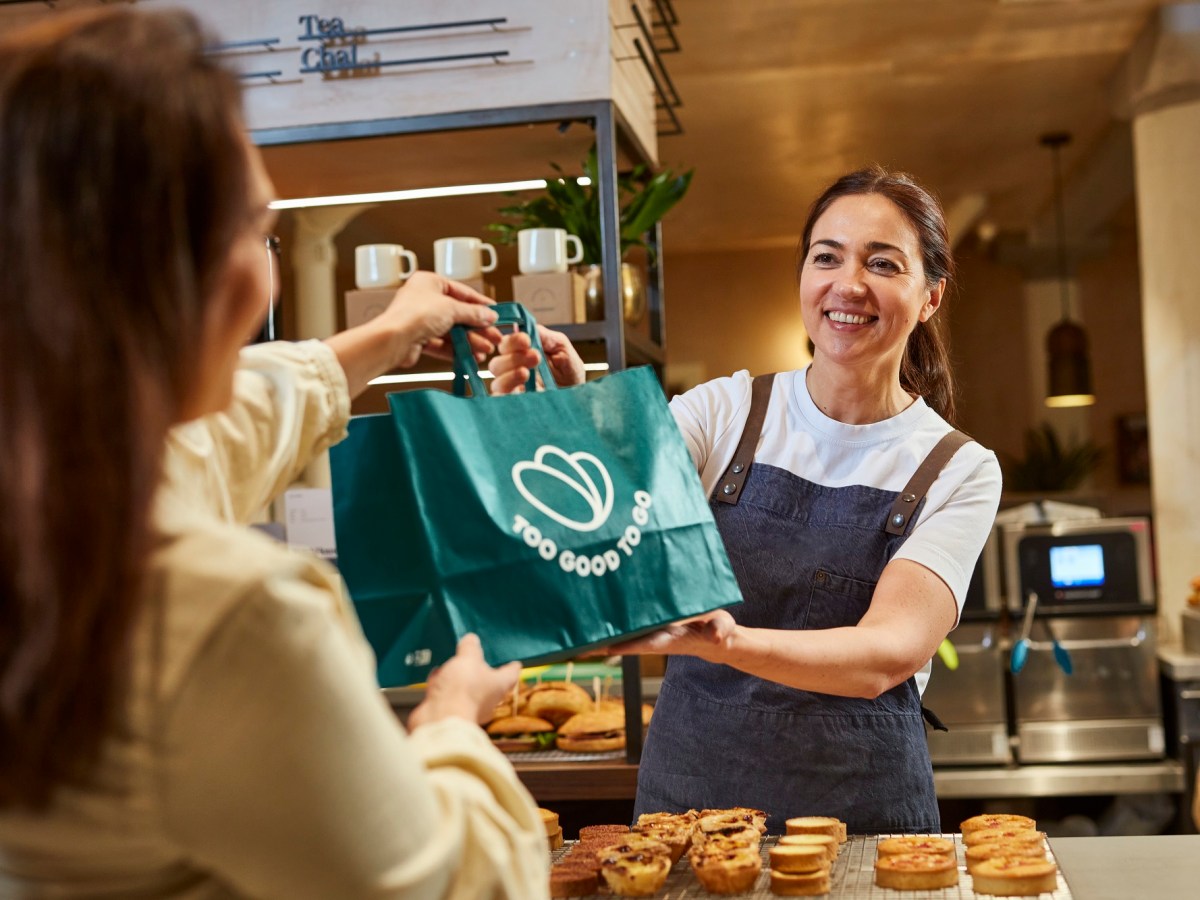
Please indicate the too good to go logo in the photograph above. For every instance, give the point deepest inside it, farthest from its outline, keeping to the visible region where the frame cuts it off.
(576, 491)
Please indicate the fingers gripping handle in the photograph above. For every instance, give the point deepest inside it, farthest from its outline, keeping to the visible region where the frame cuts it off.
(467, 371)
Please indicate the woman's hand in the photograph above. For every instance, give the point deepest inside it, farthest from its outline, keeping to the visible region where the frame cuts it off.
(465, 686)
(425, 309)
(516, 358)
(703, 636)
(418, 320)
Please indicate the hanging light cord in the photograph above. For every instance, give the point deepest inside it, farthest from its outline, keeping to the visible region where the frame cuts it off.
(1055, 143)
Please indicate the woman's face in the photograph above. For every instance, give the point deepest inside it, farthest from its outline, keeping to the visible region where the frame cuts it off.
(862, 285)
(243, 295)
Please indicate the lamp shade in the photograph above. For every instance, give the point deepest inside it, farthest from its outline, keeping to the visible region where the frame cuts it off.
(1069, 376)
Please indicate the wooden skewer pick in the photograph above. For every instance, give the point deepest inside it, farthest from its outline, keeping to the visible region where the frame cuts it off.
(596, 690)
(570, 669)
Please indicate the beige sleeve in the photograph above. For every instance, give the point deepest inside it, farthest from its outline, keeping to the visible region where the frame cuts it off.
(290, 402)
(286, 774)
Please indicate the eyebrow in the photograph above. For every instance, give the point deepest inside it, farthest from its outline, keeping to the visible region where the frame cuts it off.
(872, 246)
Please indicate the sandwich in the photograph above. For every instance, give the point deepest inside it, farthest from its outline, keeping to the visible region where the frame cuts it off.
(557, 701)
(517, 734)
(593, 732)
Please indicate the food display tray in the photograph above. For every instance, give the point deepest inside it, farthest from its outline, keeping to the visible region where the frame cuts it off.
(852, 878)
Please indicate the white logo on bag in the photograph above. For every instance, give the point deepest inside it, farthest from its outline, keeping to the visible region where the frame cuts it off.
(599, 502)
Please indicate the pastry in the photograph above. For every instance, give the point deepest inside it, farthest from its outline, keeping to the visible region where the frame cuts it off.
(809, 884)
(798, 858)
(721, 871)
(991, 835)
(917, 843)
(572, 881)
(915, 872)
(829, 844)
(1026, 848)
(1014, 876)
(591, 831)
(835, 828)
(996, 820)
(634, 873)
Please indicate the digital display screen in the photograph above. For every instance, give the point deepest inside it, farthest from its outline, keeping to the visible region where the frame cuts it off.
(1081, 565)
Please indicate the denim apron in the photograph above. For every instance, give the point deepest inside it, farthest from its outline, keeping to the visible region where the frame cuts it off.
(806, 557)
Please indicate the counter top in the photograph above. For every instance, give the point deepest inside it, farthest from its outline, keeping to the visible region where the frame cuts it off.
(1177, 664)
(1165, 867)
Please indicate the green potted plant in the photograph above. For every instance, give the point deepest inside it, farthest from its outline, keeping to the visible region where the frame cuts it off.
(1049, 466)
(575, 207)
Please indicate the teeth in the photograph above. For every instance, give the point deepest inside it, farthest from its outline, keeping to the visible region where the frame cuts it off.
(847, 318)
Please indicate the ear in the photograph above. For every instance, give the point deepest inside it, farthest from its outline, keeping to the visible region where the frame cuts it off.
(933, 301)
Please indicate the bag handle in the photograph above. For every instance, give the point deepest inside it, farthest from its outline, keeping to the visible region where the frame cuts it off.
(467, 371)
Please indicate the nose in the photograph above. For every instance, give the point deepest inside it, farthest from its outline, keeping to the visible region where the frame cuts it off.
(851, 284)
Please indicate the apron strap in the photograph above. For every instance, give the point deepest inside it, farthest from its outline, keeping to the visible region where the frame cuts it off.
(914, 492)
(729, 487)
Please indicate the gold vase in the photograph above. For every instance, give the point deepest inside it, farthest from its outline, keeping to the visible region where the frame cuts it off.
(633, 293)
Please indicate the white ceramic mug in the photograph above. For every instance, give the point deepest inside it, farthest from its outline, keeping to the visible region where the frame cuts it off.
(382, 265)
(461, 258)
(545, 250)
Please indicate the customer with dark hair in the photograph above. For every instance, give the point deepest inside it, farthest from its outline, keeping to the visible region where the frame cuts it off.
(187, 708)
(852, 528)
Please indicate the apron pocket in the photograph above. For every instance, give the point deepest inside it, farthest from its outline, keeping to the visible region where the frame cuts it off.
(836, 601)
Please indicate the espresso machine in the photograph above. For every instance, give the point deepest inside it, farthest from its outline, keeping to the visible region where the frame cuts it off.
(970, 698)
(1081, 600)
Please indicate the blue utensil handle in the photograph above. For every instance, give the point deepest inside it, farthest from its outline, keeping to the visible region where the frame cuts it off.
(466, 370)
(1020, 652)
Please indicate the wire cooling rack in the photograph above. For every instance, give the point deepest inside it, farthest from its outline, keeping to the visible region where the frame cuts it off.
(852, 877)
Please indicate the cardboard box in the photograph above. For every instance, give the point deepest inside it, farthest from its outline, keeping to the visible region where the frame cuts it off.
(554, 298)
(364, 305)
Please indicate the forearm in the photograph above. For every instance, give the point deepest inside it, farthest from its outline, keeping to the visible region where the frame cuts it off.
(365, 352)
(846, 662)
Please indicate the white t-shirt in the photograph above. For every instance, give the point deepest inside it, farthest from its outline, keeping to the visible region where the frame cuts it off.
(960, 506)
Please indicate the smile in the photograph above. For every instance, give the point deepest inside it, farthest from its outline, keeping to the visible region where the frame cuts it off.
(847, 318)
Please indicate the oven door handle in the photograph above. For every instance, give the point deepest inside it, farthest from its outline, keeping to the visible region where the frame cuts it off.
(1098, 643)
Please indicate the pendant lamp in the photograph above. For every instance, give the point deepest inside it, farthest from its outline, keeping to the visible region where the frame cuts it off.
(1069, 371)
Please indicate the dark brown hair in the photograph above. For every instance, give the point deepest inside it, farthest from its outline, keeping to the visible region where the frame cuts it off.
(925, 368)
(123, 184)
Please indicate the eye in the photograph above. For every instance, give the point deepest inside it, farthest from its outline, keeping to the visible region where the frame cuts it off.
(884, 265)
(824, 258)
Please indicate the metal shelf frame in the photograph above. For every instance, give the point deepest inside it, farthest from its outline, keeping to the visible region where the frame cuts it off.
(610, 129)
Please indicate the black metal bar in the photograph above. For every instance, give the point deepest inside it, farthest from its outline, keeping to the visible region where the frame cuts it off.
(484, 118)
(654, 289)
(666, 107)
(226, 46)
(671, 14)
(369, 32)
(631, 690)
(610, 236)
(273, 74)
(673, 100)
(668, 24)
(494, 56)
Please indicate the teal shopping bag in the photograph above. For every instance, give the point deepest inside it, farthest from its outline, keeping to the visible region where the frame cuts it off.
(546, 522)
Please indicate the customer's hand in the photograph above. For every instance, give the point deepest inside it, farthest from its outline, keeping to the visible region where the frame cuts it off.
(465, 687)
(425, 309)
(418, 320)
(516, 358)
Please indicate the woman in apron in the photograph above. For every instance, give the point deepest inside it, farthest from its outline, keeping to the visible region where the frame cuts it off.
(853, 514)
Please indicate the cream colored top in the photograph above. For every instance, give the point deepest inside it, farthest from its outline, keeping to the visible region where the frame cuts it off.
(259, 758)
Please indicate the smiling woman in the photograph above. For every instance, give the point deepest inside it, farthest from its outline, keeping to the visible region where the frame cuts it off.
(853, 514)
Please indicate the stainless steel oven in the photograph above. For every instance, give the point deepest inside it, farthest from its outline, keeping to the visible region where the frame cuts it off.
(970, 698)
(1094, 696)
